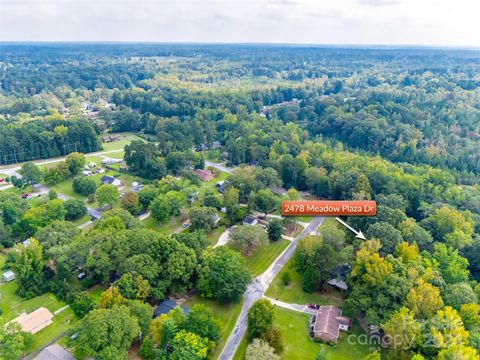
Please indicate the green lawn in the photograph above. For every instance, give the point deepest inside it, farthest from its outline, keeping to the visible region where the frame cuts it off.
(12, 305)
(206, 186)
(263, 256)
(299, 346)
(214, 234)
(117, 155)
(81, 220)
(119, 145)
(38, 200)
(65, 187)
(226, 314)
(293, 292)
(167, 227)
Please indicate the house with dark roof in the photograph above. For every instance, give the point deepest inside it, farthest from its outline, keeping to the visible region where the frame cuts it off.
(250, 220)
(54, 352)
(326, 324)
(166, 306)
(106, 179)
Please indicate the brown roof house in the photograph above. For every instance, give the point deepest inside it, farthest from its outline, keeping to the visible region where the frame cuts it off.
(327, 323)
(204, 175)
(35, 321)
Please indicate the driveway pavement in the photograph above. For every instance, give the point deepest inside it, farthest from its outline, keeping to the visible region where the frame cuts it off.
(257, 288)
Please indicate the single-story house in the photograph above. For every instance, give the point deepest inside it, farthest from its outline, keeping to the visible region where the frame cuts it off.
(35, 321)
(216, 145)
(326, 324)
(222, 186)
(166, 306)
(106, 179)
(8, 276)
(250, 220)
(54, 352)
(110, 138)
(253, 163)
(204, 175)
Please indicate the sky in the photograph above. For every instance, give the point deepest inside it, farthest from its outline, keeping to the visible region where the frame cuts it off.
(361, 22)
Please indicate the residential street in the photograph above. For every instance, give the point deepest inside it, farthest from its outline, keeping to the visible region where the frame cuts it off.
(259, 286)
(11, 170)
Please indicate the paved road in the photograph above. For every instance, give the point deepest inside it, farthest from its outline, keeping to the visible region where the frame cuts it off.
(259, 286)
(219, 166)
(11, 170)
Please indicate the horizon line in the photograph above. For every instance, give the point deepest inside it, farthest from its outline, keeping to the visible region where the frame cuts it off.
(246, 43)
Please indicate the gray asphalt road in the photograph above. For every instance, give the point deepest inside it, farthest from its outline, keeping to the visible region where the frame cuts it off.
(259, 286)
(219, 167)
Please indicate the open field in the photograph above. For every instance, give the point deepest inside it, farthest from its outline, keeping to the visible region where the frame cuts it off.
(226, 314)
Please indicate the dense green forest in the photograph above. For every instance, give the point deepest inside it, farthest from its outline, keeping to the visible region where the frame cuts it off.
(400, 126)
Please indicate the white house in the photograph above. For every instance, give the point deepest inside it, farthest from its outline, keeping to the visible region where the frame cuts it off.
(8, 276)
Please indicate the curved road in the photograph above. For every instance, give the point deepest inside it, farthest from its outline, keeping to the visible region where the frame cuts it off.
(259, 286)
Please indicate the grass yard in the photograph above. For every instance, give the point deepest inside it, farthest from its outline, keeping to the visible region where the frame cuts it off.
(214, 234)
(65, 187)
(62, 322)
(81, 220)
(119, 145)
(206, 186)
(12, 305)
(298, 345)
(293, 293)
(117, 155)
(38, 200)
(263, 256)
(226, 314)
(168, 227)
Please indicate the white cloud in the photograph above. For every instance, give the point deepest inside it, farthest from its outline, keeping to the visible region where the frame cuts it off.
(424, 22)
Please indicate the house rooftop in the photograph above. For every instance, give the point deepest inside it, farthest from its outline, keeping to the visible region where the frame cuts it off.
(166, 306)
(328, 322)
(54, 352)
(249, 219)
(35, 321)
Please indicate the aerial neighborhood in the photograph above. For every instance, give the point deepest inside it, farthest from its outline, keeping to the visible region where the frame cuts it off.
(141, 192)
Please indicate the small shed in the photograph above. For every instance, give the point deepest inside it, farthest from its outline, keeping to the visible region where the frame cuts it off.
(8, 276)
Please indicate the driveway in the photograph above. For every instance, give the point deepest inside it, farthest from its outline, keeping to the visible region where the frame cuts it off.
(257, 288)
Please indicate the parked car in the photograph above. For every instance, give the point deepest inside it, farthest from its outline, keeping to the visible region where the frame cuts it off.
(313, 306)
(25, 196)
(185, 225)
(2, 180)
